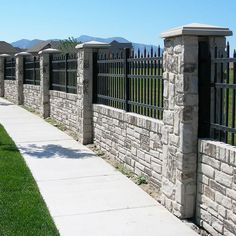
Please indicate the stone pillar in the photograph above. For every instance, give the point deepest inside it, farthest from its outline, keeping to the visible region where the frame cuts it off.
(45, 81)
(19, 79)
(85, 89)
(180, 117)
(2, 72)
(20, 76)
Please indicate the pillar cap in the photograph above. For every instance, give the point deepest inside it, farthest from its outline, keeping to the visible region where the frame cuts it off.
(49, 51)
(92, 44)
(23, 54)
(197, 30)
(5, 55)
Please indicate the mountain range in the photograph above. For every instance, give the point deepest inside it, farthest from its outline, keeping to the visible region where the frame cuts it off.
(26, 43)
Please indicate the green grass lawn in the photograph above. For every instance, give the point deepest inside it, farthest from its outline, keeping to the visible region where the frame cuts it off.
(230, 109)
(22, 209)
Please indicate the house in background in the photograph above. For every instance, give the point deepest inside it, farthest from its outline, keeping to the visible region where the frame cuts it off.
(115, 45)
(6, 48)
(43, 45)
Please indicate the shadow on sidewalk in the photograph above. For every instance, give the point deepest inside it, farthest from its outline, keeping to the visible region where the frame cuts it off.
(52, 151)
(6, 104)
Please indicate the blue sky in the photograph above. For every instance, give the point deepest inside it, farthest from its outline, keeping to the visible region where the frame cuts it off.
(136, 20)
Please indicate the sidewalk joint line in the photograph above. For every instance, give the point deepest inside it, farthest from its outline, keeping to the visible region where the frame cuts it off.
(82, 177)
(108, 210)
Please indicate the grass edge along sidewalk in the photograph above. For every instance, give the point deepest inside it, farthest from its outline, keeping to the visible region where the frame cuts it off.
(22, 208)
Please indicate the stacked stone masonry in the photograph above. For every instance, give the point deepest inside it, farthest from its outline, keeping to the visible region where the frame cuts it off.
(131, 139)
(10, 90)
(31, 95)
(180, 118)
(216, 200)
(64, 109)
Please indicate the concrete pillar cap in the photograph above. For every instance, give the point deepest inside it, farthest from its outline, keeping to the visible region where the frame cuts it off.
(92, 44)
(23, 54)
(197, 30)
(49, 51)
(5, 55)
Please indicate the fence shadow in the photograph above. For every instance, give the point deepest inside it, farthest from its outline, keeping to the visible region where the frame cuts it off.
(6, 104)
(52, 151)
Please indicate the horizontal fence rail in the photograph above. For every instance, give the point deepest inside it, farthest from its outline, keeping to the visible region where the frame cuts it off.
(31, 71)
(128, 81)
(223, 89)
(10, 69)
(63, 73)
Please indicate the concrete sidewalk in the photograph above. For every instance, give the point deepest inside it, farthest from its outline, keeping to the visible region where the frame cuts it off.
(85, 195)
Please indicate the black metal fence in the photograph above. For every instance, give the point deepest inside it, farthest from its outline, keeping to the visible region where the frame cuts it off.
(222, 120)
(132, 82)
(10, 69)
(31, 71)
(63, 73)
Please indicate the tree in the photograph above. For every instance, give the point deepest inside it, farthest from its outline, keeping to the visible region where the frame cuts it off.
(68, 45)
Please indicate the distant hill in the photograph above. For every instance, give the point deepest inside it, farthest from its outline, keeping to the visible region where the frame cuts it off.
(26, 43)
(86, 38)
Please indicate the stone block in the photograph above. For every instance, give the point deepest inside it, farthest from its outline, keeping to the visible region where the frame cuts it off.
(174, 140)
(222, 211)
(217, 187)
(230, 226)
(228, 169)
(218, 226)
(205, 216)
(156, 167)
(227, 233)
(234, 207)
(203, 179)
(145, 142)
(231, 216)
(226, 202)
(231, 194)
(179, 85)
(209, 193)
(209, 228)
(168, 117)
(220, 154)
(211, 161)
(178, 49)
(209, 203)
(166, 89)
(165, 135)
(207, 170)
(223, 179)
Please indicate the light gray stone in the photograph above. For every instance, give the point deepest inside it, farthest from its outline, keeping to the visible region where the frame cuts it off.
(223, 179)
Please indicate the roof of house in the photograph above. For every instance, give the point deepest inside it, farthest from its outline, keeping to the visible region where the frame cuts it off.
(7, 48)
(115, 43)
(44, 45)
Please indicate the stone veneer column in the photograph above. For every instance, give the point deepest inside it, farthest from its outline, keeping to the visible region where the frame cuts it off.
(85, 89)
(45, 81)
(180, 117)
(2, 72)
(20, 76)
